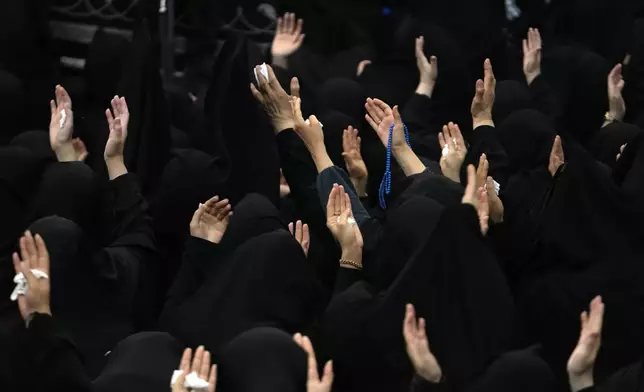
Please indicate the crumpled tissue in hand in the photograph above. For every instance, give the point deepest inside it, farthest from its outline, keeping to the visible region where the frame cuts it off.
(21, 283)
(193, 381)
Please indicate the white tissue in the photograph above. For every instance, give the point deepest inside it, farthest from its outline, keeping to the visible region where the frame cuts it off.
(445, 150)
(264, 70)
(63, 118)
(497, 187)
(193, 381)
(309, 123)
(351, 221)
(21, 283)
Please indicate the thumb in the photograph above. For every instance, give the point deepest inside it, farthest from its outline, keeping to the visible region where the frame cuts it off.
(397, 118)
(314, 120)
(196, 217)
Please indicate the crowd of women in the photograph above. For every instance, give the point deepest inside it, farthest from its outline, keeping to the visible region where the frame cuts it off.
(447, 231)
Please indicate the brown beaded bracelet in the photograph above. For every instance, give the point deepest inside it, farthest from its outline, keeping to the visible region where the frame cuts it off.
(351, 264)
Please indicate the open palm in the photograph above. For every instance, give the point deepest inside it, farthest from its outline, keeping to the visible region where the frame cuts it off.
(211, 219)
(583, 357)
(288, 36)
(418, 350)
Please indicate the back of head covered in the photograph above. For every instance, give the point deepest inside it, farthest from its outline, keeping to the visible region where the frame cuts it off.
(13, 103)
(262, 360)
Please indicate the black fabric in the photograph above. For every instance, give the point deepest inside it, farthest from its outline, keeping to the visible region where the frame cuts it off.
(13, 108)
(105, 60)
(35, 141)
(345, 96)
(511, 96)
(141, 362)
(606, 144)
(257, 276)
(247, 134)
(588, 245)
(579, 79)
(262, 360)
(111, 282)
(634, 75)
(527, 137)
(455, 284)
(334, 124)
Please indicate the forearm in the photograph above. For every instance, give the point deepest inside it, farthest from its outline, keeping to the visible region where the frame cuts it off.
(408, 161)
(426, 89)
(280, 61)
(115, 167)
(320, 157)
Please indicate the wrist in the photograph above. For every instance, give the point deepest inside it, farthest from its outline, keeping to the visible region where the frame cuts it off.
(280, 125)
(352, 253)
(65, 152)
(530, 77)
(280, 61)
(579, 382)
(115, 166)
(432, 377)
(614, 116)
(320, 157)
(482, 120)
(425, 88)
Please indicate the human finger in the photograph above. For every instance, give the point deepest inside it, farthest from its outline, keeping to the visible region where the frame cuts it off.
(441, 138)
(384, 108)
(306, 238)
(343, 200)
(295, 87)
(298, 231)
(197, 359)
(298, 27)
(184, 365)
(372, 123)
(312, 361)
(330, 204)
(470, 189)
(457, 136)
(290, 23)
(24, 252)
(179, 385)
(489, 79)
(262, 83)
(338, 201)
(327, 376)
(212, 380)
(296, 105)
(373, 111)
(279, 29)
(205, 366)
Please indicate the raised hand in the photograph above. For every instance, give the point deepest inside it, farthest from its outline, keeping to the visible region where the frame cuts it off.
(557, 157)
(497, 210)
(288, 38)
(61, 127)
(428, 69)
(33, 256)
(582, 359)
(211, 219)
(351, 154)
(314, 383)
(453, 151)
(484, 98)
(532, 55)
(418, 350)
(302, 236)
(117, 119)
(380, 116)
(275, 101)
(477, 198)
(616, 104)
(201, 368)
(341, 223)
(311, 133)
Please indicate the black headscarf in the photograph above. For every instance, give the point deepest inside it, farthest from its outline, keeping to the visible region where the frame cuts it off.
(69, 190)
(107, 312)
(590, 243)
(579, 78)
(259, 277)
(334, 125)
(527, 137)
(455, 283)
(345, 96)
(141, 362)
(12, 106)
(511, 96)
(262, 360)
(232, 110)
(634, 76)
(391, 244)
(35, 141)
